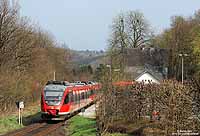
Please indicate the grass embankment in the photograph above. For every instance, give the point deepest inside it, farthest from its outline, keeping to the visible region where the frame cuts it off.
(9, 121)
(81, 126)
(139, 127)
(116, 134)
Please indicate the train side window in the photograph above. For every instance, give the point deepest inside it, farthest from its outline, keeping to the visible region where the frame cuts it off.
(83, 95)
(86, 94)
(66, 99)
(92, 92)
(75, 98)
(79, 97)
(71, 97)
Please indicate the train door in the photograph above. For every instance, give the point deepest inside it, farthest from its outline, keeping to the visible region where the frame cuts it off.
(67, 104)
(67, 99)
(71, 99)
(75, 100)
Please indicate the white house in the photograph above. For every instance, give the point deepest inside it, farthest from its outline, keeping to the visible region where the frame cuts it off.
(147, 77)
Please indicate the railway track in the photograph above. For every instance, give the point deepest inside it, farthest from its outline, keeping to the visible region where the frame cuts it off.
(43, 128)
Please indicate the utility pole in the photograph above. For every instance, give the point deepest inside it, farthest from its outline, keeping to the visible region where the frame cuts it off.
(122, 45)
(110, 72)
(182, 63)
(54, 75)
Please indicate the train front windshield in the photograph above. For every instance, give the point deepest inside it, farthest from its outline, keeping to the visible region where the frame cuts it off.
(53, 97)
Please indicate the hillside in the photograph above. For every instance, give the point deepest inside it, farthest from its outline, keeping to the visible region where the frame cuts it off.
(93, 58)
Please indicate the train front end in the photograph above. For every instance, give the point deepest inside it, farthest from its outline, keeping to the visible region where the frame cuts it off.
(52, 99)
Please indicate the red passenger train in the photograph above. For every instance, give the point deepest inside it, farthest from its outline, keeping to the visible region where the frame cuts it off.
(60, 98)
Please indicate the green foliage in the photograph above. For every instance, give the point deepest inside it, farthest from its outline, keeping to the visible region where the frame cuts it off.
(85, 69)
(181, 37)
(101, 73)
(8, 123)
(80, 126)
(196, 49)
(116, 134)
(83, 72)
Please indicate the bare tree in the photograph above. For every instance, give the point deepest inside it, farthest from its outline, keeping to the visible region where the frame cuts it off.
(28, 55)
(8, 27)
(137, 29)
(130, 30)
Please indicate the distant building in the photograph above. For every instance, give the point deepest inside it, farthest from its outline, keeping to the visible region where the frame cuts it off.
(147, 64)
(155, 57)
(149, 77)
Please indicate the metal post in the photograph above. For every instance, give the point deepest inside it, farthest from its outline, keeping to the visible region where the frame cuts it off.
(110, 75)
(182, 60)
(110, 72)
(19, 117)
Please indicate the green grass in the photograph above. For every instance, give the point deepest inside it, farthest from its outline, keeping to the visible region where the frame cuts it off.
(8, 123)
(116, 134)
(80, 126)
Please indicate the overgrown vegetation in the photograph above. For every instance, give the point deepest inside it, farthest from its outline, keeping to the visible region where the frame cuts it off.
(131, 105)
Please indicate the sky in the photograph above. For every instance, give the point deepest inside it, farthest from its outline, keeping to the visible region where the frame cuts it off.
(85, 24)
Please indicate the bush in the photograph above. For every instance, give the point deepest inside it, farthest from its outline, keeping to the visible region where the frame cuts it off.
(173, 101)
